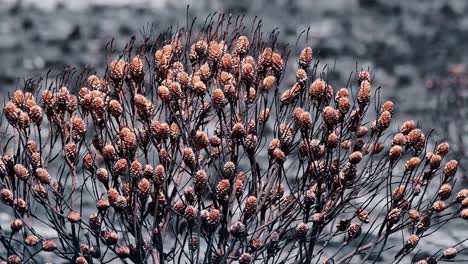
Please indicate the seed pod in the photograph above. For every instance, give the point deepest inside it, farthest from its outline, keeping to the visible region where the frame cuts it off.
(245, 258)
(407, 127)
(384, 120)
(388, 106)
(330, 116)
(364, 76)
(71, 151)
(354, 231)
(21, 173)
(439, 206)
(73, 217)
(144, 188)
(31, 240)
(190, 214)
(6, 196)
(394, 215)
(435, 161)
(136, 68)
(49, 245)
(102, 175)
(279, 156)
(16, 225)
(450, 253)
(450, 168)
(301, 231)
(442, 149)
(305, 121)
(464, 214)
(119, 168)
(189, 195)
(238, 229)
(317, 88)
(200, 181)
(199, 88)
(179, 207)
(250, 207)
(229, 169)
(110, 237)
(213, 219)
(412, 164)
(461, 195)
(306, 57)
(413, 214)
(355, 157)
(189, 157)
(395, 153)
(118, 69)
(222, 189)
(277, 63)
(444, 191)
(242, 45)
(102, 204)
(364, 93)
(35, 113)
(14, 259)
(412, 241)
(193, 243)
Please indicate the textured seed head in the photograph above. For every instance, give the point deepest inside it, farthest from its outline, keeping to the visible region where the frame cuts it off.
(317, 88)
(118, 69)
(49, 245)
(73, 217)
(301, 230)
(222, 189)
(71, 151)
(120, 166)
(445, 190)
(439, 206)
(364, 76)
(190, 214)
(136, 67)
(464, 214)
(354, 230)
(412, 163)
(413, 214)
(364, 92)
(355, 157)
(200, 181)
(245, 258)
(144, 187)
(199, 88)
(21, 173)
(395, 152)
(451, 168)
(31, 240)
(461, 195)
(14, 259)
(250, 206)
(412, 241)
(330, 116)
(193, 243)
(237, 229)
(102, 204)
(306, 57)
(6, 196)
(16, 225)
(450, 253)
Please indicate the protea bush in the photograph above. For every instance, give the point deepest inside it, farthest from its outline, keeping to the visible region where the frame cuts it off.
(190, 150)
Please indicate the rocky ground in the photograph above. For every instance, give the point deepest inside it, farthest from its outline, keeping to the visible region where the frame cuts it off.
(404, 43)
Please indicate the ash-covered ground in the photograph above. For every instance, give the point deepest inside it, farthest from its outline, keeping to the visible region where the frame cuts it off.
(404, 43)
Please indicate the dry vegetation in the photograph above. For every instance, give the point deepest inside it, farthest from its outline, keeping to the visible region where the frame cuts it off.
(187, 150)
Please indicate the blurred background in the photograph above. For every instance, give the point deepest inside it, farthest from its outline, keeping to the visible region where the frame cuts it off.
(415, 49)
